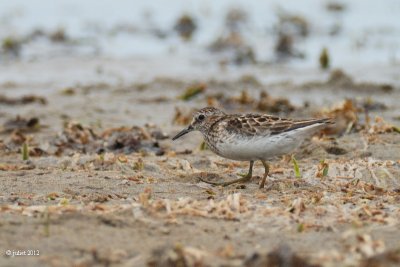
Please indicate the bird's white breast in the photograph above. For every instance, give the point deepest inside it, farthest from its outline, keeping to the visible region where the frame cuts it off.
(254, 148)
(245, 148)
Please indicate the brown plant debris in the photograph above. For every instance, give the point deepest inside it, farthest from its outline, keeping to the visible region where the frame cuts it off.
(322, 169)
(59, 36)
(293, 25)
(233, 207)
(235, 17)
(297, 206)
(339, 80)
(11, 46)
(324, 61)
(12, 167)
(193, 90)
(345, 117)
(77, 137)
(231, 41)
(370, 104)
(282, 256)
(265, 102)
(185, 26)
(289, 29)
(22, 100)
(367, 247)
(182, 117)
(274, 105)
(380, 126)
(334, 6)
(233, 49)
(284, 46)
(18, 138)
(335, 150)
(177, 255)
(230, 208)
(386, 259)
(21, 124)
(244, 98)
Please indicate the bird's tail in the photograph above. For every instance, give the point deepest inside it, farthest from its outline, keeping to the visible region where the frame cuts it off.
(312, 122)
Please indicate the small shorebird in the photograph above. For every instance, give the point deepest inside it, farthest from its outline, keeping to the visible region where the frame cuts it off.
(250, 137)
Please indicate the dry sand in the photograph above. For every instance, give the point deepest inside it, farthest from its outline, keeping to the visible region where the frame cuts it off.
(77, 207)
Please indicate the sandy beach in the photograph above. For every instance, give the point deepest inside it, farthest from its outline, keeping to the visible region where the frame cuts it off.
(89, 173)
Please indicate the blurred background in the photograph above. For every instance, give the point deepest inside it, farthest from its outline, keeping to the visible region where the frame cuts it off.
(134, 62)
(187, 35)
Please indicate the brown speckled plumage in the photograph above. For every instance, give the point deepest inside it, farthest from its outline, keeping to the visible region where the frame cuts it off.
(251, 137)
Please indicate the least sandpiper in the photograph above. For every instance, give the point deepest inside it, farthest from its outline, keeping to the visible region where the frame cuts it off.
(250, 137)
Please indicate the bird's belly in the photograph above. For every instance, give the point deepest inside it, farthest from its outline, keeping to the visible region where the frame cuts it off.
(256, 148)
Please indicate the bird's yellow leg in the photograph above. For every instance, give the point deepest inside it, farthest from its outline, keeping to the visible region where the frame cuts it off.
(244, 179)
(266, 166)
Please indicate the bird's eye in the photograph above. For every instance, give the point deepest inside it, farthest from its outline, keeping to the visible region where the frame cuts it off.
(201, 117)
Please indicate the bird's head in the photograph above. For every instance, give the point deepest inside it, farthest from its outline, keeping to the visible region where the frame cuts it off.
(201, 121)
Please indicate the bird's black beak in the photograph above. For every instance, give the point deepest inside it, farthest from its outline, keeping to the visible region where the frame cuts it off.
(183, 132)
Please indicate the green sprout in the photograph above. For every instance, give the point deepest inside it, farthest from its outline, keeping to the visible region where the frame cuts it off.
(296, 167)
(25, 151)
(325, 167)
(324, 59)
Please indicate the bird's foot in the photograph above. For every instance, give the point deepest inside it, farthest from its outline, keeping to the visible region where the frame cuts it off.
(244, 179)
(245, 175)
(263, 181)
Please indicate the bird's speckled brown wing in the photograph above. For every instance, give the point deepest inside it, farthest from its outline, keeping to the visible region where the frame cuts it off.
(259, 124)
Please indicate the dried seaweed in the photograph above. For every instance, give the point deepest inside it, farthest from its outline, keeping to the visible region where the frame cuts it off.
(230, 208)
(324, 60)
(28, 99)
(323, 168)
(192, 91)
(339, 80)
(11, 45)
(264, 103)
(182, 117)
(345, 116)
(185, 27)
(281, 256)
(76, 137)
(21, 124)
(387, 258)
(229, 42)
(269, 104)
(178, 255)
